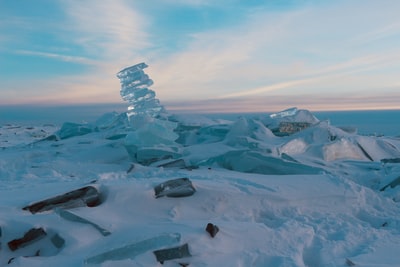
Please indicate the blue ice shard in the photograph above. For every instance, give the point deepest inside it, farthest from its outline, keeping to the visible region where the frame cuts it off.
(132, 250)
(284, 113)
(135, 89)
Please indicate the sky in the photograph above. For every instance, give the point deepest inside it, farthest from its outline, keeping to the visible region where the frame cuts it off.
(204, 55)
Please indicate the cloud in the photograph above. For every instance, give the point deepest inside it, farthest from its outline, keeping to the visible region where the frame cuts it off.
(291, 52)
(216, 62)
(280, 102)
(108, 29)
(201, 3)
(63, 90)
(332, 73)
(66, 58)
(269, 88)
(107, 35)
(385, 31)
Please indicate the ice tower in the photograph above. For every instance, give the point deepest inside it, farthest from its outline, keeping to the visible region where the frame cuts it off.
(152, 135)
(135, 89)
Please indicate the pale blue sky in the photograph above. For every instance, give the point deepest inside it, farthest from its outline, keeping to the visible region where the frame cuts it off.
(207, 55)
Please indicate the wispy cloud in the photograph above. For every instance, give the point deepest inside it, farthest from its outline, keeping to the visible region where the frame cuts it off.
(66, 58)
(269, 88)
(107, 35)
(328, 74)
(273, 52)
(217, 62)
(108, 29)
(279, 102)
(384, 31)
(201, 3)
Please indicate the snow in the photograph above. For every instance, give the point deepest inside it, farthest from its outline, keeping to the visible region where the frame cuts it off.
(311, 198)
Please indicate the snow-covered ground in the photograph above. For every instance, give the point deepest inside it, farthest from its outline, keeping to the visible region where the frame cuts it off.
(310, 198)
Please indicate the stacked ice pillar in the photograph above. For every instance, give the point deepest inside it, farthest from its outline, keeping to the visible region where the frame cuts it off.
(135, 89)
(152, 135)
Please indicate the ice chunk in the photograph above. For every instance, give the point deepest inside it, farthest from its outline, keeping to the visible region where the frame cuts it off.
(390, 160)
(249, 128)
(290, 121)
(86, 196)
(392, 184)
(57, 241)
(294, 115)
(256, 162)
(149, 155)
(294, 146)
(75, 218)
(172, 253)
(342, 149)
(154, 140)
(70, 129)
(181, 187)
(197, 129)
(174, 163)
(132, 250)
(153, 132)
(135, 89)
(284, 113)
(376, 148)
(111, 120)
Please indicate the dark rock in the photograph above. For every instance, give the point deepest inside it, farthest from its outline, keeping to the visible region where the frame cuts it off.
(181, 187)
(212, 229)
(287, 128)
(33, 235)
(172, 253)
(86, 196)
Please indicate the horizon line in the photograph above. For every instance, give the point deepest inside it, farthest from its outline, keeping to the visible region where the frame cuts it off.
(199, 108)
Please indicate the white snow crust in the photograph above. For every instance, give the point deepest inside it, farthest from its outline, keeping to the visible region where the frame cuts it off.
(311, 198)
